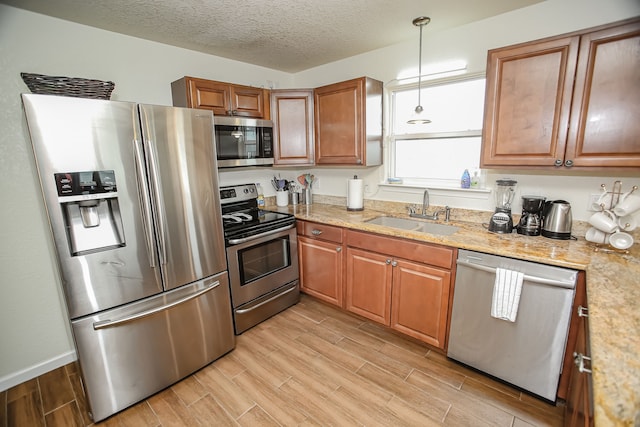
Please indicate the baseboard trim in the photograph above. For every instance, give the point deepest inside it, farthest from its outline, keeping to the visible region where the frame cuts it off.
(34, 371)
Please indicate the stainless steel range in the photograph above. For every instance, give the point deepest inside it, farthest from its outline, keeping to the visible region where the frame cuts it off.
(262, 257)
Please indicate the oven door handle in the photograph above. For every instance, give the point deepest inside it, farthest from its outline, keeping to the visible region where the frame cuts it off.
(258, 236)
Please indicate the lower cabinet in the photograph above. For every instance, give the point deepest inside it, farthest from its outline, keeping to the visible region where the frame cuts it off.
(579, 401)
(320, 259)
(400, 283)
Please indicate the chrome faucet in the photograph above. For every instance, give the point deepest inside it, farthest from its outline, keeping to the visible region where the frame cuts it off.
(425, 206)
(425, 201)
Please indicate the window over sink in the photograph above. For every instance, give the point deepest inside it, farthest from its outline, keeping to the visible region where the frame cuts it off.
(436, 154)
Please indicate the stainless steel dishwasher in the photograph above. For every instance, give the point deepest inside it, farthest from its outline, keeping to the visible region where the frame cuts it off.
(527, 353)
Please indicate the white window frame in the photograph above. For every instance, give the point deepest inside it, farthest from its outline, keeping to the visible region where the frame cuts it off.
(392, 137)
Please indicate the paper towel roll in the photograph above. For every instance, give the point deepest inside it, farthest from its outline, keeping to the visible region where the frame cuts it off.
(355, 195)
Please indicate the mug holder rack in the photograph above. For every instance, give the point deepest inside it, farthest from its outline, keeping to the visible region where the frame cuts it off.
(610, 202)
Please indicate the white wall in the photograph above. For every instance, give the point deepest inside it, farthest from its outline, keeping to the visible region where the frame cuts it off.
(470, 43)
(34, 335)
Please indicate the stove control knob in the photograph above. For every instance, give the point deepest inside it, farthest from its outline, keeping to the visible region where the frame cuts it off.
(246, 191)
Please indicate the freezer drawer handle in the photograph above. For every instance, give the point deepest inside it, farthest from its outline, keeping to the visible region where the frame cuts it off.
(532, 279)
(246, 310)
(258, 236)
(108, 322)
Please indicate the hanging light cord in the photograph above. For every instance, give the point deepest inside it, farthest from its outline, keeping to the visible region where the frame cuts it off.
(419, 107)
(420, 22)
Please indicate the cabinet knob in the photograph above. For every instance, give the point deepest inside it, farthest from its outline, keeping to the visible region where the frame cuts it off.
(568, 163)
(558, 162)
(394, 263)
(338, 249)
(316, 232)
(388, 261)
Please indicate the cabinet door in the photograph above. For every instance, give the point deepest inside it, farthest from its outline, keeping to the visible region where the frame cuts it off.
(321, 269)
(579, 407)
(248, 101)
(209, 95)
(368, 285)
(604, 128)
(527, 105)
(339, 123)
(420, 301)
(292, 114)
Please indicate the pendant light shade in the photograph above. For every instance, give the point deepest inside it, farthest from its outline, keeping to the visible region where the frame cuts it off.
(418, 115)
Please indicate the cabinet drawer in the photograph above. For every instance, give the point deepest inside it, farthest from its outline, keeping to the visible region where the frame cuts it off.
(320, 231)
(425, 253)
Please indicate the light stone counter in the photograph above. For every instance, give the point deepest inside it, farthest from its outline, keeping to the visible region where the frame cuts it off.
(613, 289)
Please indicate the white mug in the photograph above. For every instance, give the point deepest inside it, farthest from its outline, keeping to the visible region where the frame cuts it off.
(604, 221)
(596, 236)
(627, 223)
(629, 204)
(282, 198)
(621, 240)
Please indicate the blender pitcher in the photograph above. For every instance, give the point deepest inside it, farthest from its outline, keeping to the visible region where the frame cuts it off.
(501, 221)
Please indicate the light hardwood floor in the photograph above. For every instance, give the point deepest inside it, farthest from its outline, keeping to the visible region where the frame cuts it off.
(309, 365)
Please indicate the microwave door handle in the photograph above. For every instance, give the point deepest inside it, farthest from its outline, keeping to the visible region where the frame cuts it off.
(258, 236)
(145, 203)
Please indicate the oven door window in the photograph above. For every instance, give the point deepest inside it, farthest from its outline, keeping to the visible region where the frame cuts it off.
(237, 142)
(263, 259)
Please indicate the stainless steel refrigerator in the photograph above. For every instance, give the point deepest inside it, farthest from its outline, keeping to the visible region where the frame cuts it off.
(132, 197)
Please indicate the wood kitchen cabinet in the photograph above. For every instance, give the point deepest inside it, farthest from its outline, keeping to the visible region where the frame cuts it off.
(566, 101)
(348, 123)
(292, 115)
(224, 99)
(579, 400)
(320, 257)
(400, 283)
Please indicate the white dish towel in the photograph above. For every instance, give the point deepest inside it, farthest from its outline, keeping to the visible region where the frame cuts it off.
(506, 294)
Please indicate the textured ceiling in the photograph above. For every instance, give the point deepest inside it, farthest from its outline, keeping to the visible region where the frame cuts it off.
(286, 35)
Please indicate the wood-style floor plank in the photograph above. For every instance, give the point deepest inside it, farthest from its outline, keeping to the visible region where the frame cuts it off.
(311, 365)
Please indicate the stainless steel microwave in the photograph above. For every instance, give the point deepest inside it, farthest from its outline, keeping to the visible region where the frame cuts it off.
(243, 142)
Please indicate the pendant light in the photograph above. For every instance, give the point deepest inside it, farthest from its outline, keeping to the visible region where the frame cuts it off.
(418, 116)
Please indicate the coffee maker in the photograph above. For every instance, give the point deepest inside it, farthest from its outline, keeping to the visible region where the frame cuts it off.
(501, 221)
(531, 220)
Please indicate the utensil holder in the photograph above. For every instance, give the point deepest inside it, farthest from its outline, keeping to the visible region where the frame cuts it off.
(282, 198)
(307, 196)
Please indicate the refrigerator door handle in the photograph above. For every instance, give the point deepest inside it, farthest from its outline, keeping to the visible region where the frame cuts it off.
(155, 186)
(109, 323)
(145, 203)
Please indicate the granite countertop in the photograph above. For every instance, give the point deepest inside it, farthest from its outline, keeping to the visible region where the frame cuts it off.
(613, 289)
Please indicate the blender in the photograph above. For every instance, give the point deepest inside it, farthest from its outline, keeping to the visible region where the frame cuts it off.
(501, 221)
(531, 220)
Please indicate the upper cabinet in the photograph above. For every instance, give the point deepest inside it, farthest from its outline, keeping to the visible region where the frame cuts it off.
(348, 123)
(292, 113)
(224, 99)
(567, 101)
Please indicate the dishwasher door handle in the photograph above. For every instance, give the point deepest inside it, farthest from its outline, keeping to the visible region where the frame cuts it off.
(527, 278)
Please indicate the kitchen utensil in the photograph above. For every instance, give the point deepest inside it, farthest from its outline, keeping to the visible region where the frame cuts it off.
(501, 221)
(628, 222)
(556, 220)
(597, 236)
(628, 205)
(621, 240)
(531, 219)
(604, 221)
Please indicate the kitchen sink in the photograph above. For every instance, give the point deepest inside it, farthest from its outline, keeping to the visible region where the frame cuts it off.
(413, 225)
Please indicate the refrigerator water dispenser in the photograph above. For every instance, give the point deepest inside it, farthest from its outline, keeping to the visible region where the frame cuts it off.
(89, 202)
